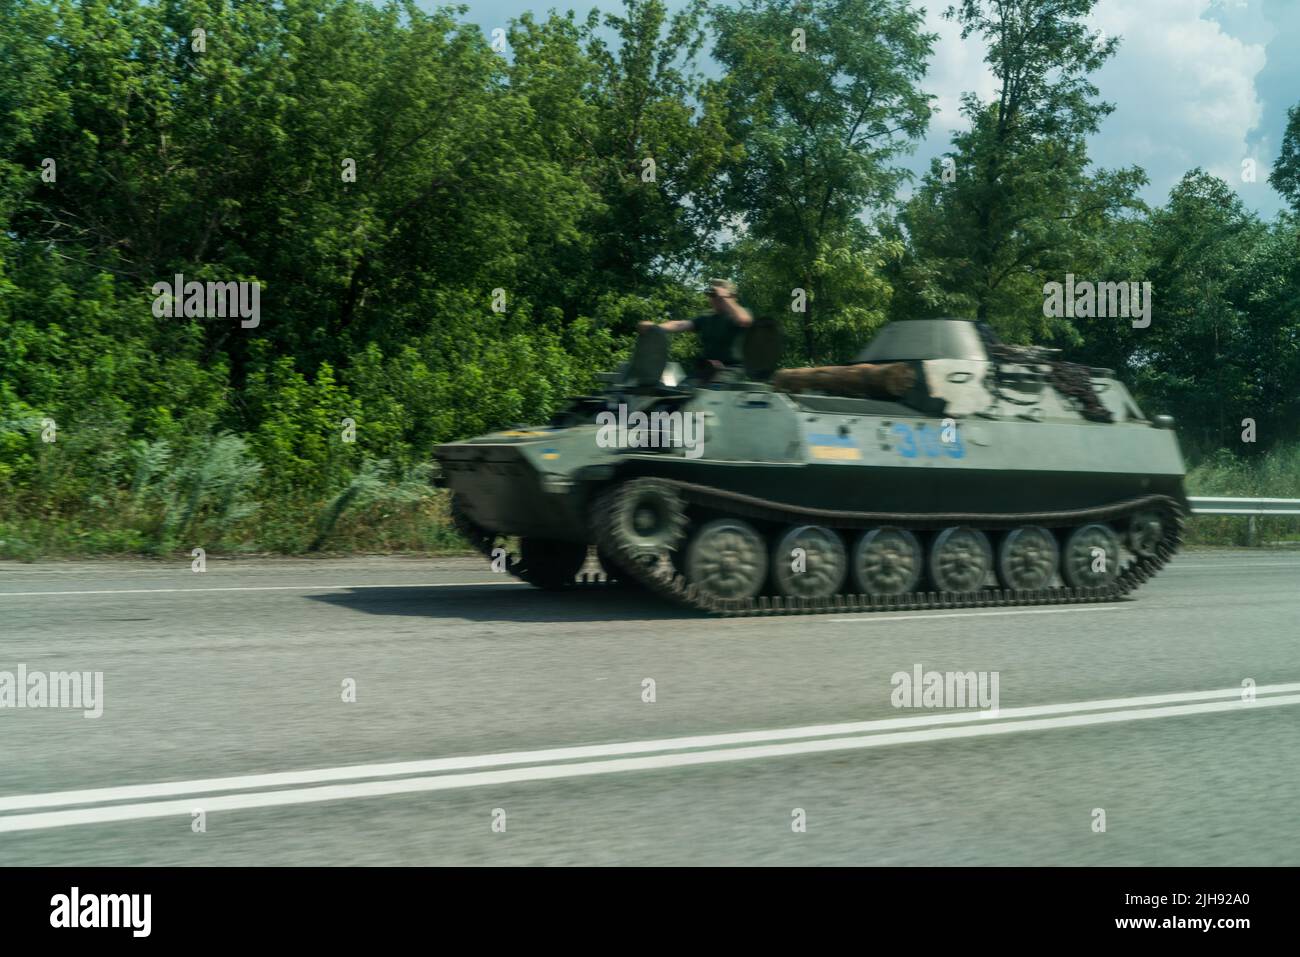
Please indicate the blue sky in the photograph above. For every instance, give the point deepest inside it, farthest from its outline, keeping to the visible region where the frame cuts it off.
(1195, 83)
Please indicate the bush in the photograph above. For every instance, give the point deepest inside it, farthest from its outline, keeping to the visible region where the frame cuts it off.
(1273, 474)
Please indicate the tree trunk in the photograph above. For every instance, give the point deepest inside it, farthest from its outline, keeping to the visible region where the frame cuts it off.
(876, 381)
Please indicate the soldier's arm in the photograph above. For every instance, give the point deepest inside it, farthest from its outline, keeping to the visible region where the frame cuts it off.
(672, 325)
(738, 313)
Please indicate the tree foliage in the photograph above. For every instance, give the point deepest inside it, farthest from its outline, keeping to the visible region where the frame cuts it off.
(823, 110)
(451, 237)
(1015, 203)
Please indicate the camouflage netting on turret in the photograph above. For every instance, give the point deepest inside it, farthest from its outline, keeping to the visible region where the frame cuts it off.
(1070, 379)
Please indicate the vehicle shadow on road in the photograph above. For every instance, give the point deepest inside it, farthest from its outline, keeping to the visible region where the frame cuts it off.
(507, 603)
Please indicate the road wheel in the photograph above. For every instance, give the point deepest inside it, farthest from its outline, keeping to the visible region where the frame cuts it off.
(887, 561)
(1090, 558)
(809, 561)
(960, 560)
(1145, 532)
(648, 518)
(1027, 558)
(727, 558)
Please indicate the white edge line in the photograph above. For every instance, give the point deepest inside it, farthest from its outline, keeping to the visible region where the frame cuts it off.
(337, 792)
(1198, 567)
(550, 755)
(978, 614)
(160, 591)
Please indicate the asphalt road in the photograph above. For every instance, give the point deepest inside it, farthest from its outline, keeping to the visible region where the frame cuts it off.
(224, 692)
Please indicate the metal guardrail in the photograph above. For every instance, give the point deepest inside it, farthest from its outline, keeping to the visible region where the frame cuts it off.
(1252, 508)
(1245, 506)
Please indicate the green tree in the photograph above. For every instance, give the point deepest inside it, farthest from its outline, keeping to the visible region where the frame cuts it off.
(1013, 203)
(380, 170)
(1285, 177)
(824, 96)
(1199, 357)
(659, 141)
(620, 102)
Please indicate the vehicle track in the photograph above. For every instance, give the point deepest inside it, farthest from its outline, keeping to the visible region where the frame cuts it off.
(661, 578)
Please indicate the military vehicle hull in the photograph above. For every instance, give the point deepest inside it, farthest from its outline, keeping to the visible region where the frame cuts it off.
(813, 502)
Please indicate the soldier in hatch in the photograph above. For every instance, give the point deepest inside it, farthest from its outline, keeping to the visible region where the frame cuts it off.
(721, 331)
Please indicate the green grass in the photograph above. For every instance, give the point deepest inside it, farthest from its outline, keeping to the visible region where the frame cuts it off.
(1275, 474)
(290, 528)
(375, 515)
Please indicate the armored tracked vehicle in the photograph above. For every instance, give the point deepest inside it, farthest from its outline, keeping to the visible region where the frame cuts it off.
(983, 474)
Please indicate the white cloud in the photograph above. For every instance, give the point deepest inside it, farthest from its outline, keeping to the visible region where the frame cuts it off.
(1183, 90)
(956, 67)
(1191, 84)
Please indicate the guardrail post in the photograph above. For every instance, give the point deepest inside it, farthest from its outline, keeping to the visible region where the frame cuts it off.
(1250, 532)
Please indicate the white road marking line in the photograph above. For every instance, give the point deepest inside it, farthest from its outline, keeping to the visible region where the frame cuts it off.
(447, 782)
(553, 755)
(876, 616)
(159, 591)
(1195, 566)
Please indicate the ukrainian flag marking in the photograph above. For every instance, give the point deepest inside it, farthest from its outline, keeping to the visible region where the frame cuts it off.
(835, 447)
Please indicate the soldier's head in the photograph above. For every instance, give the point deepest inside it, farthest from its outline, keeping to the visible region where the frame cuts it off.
(719, 289)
